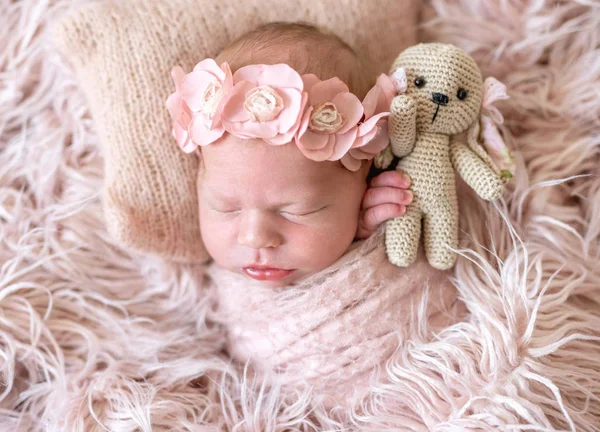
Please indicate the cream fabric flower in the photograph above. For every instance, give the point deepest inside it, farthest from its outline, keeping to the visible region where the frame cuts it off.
(263, 103)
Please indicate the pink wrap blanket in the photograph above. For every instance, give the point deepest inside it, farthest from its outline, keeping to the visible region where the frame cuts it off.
(332, 330)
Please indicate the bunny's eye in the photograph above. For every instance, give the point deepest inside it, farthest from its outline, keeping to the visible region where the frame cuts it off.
(420, 82)
(462, 94)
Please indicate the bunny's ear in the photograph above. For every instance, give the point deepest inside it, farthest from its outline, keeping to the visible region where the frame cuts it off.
(398, 86)
(399, 80)
(483, 135)
(493, 90)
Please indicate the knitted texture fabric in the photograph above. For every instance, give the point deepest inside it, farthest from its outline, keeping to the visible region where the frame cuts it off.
(123, 52)
(332, 331)
(443, 99)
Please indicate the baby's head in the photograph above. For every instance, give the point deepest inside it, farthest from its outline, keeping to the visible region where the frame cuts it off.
(269, 205)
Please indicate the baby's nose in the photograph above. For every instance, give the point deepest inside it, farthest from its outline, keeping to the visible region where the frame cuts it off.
(256, 231)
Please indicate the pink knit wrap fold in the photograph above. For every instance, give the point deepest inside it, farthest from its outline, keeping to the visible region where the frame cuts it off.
(331, 330)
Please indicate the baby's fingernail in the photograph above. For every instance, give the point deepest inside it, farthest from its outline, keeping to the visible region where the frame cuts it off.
(408, 196)
(405, 179)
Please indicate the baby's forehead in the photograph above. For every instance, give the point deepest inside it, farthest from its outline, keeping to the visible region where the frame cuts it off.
(235, 165)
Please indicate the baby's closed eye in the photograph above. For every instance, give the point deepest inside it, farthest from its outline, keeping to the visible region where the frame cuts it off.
(301, 213)
(227, 212)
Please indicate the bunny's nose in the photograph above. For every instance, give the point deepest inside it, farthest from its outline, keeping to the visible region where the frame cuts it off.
(439, 98)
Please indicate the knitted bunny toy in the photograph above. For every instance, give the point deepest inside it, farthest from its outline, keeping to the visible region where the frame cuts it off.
(442, 94)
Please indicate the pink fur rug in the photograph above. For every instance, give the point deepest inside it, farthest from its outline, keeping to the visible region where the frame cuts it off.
(92, 338)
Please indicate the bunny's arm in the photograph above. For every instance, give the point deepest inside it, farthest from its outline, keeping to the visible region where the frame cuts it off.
(402, 125)
(475, 172)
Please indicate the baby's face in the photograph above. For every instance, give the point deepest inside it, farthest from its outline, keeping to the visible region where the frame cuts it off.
(269, 206)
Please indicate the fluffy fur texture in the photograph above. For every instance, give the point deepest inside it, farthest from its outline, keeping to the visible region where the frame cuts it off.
(92, 338)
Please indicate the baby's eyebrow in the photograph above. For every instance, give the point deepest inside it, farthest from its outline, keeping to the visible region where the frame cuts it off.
(307, 199)
(311, 198)
(223, 197)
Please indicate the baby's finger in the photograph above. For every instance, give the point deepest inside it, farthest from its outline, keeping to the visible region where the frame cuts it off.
(386, 195)
(375, 216)
(391, 178)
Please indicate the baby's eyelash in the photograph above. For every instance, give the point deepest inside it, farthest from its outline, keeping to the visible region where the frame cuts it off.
(233, 212)
(304, 214)
(295, 214)
(230, 212)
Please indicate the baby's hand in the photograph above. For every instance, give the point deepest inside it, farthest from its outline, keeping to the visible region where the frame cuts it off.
(385, 198)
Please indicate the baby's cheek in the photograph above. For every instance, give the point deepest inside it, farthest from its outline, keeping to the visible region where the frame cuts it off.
(215, 236)
(324, 244)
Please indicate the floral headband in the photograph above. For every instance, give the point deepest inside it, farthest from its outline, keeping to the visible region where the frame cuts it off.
(274, 103)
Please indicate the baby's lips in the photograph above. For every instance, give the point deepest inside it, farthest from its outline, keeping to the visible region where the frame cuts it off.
(264, 274)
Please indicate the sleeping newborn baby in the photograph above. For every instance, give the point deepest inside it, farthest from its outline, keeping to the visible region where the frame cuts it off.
(272, 213)
(285, 204)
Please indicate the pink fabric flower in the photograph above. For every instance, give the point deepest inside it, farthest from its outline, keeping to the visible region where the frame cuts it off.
(266, 102)
(180, 113)
(204, 91)
(197, 103)
(329, 126)
(372, 135)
